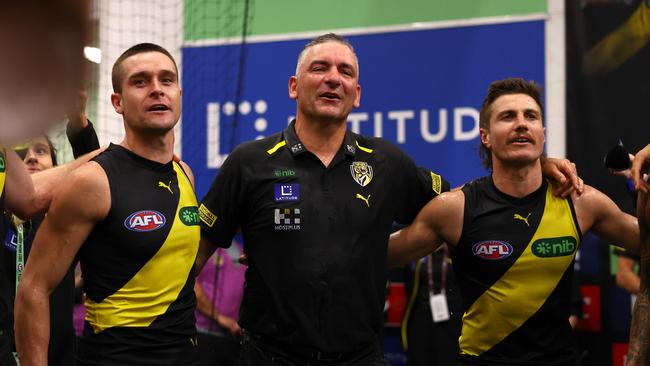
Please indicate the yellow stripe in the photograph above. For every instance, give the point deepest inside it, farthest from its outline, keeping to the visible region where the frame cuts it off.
(621, 44)
(523, 289)
(407, 313)
(276, 147)
(3, 169)
(159, 282)
(369, 151)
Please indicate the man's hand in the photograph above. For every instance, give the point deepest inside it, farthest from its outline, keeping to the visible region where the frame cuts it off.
(77, 119)
(243, 259)
(228, 323)
(565, 173)
(638, 166)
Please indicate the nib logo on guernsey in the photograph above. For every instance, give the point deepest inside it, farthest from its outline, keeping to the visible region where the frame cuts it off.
(554, 247)
(189, 215)
(146, 220)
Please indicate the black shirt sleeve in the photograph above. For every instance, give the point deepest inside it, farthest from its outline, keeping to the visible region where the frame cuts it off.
(82, 141)
(220, 209)
(419, 186)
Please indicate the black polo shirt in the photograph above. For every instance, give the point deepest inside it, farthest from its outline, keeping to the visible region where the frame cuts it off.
(315, 236)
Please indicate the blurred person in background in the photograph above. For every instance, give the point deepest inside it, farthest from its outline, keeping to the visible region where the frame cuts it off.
(39, 155)
(41, 64)
(219, 290)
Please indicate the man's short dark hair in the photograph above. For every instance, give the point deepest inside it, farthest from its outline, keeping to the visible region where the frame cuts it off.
(117, 74)
(329, 37)
(500, 88)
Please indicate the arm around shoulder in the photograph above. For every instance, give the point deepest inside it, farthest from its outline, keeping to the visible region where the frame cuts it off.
(441, 220)
(81, 201)
(598, 213)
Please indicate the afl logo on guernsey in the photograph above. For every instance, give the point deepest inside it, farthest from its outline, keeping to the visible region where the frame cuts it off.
(147, 220)
(492, 249)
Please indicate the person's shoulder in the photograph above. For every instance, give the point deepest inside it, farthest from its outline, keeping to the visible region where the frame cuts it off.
(477, 184)
(89, 175)
(86, 189)
(588, 195)
(377, 145)
(261, 147)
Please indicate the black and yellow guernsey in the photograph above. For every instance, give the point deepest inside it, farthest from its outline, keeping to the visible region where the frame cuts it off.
(137, 266)
(3, 177)
(514, 263)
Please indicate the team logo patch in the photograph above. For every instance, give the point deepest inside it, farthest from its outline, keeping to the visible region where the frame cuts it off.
(287, 192)
(10, 239)
(436, 183)
(286, 219)
(189, 215)
(146, 220)
(361, 172)
(492, 249)
(284, 173)
(207, 216)
(296, 148)
(554, 247)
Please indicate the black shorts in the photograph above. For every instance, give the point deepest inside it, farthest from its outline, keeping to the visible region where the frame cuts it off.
(256, 352)
(121, 348)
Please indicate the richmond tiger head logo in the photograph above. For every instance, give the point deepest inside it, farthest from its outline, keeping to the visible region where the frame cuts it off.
(361, 172)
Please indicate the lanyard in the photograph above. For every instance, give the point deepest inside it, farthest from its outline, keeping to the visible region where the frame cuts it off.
(443, 276)
(20, 253)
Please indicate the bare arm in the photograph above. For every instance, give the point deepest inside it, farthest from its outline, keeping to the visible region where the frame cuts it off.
(204, 305)
(625, 276)
(78, 204)
(20, 196)
(599, 214)
(441, 220)
(206, 248)
(639, 348)
(640, 162)
(26, 195)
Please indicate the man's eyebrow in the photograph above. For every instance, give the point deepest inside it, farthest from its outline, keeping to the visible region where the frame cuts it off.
(139, 74)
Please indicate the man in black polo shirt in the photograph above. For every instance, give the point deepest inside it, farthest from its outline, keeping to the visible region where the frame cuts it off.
(315, 204)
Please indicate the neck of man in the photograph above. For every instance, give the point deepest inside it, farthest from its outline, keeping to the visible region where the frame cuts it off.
(321, 138)
(155, 147)
(517, 180)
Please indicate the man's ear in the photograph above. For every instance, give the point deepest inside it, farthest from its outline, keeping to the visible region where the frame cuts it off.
(357, 100)
(293, 87)
(485, 138)
(116, 101)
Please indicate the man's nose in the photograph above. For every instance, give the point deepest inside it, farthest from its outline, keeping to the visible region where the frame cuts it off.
(333, 77)
(521, 122)
(156, 88)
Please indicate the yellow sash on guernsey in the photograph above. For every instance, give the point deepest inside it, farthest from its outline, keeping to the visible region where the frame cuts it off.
(524, 288)
(3, 168)
(158, 283)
